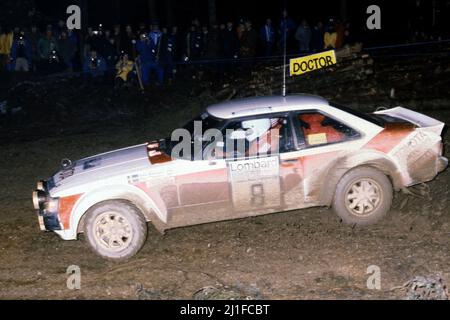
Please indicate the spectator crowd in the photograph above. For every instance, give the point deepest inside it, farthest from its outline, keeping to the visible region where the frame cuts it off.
(154, 53)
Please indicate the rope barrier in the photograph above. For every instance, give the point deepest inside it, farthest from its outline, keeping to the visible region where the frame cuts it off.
(273, 58)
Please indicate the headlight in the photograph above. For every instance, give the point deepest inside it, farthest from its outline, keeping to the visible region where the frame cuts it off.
(40, 186)
(52, 205)
(39, 199)
(44, 203)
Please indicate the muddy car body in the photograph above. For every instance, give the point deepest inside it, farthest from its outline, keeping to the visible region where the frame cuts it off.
(325, 155)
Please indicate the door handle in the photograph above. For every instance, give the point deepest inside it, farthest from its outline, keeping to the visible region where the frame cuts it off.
(289, 163)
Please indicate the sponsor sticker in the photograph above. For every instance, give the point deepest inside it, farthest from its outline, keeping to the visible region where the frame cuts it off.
(255, 183)
(317, 139)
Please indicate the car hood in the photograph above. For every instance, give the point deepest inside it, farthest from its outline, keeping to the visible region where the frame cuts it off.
(99, 167)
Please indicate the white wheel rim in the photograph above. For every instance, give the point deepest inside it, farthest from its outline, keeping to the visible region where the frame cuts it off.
(363, 197)
(113, 231)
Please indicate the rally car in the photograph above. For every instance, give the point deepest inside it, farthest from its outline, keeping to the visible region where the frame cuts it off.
(239, 159)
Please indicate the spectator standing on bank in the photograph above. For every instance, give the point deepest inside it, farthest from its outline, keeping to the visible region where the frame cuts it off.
(110, 53)
(47, 46)
(167, 53)
(340, 34)
(248, 41)
(88, 42)
(194, 43)
(128, 41)
(66, 50)
(117, 35)
(21, 54)
(124, 68)
(212, 49)
(287, 28)
(178, 43)
(330, 37)
(33, 38)
(267, 35)
(6, 41)
(317, 37)
(303, 36)
(94, 66)
(230, 42)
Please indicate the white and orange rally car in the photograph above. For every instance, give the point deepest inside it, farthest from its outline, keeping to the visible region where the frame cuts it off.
(277, 154)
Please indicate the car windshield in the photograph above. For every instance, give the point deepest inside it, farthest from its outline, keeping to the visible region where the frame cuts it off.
(201, 124)
(196, 128)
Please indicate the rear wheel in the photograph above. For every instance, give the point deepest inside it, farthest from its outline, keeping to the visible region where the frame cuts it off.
(363, 196)
(115, 230)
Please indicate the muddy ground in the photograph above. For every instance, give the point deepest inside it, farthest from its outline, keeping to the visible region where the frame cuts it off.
(307, 254)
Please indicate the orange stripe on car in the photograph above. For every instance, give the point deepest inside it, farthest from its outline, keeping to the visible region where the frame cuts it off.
(66, 205)
(388, 139)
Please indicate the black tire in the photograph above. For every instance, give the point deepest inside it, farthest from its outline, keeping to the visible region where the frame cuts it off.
(123, 221)
(370, 209)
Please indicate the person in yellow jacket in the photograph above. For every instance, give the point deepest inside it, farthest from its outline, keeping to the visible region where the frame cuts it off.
(6, 41)
(123, 67)
(330, 38)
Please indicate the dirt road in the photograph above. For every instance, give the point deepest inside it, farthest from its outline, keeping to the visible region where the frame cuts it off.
(294, 255)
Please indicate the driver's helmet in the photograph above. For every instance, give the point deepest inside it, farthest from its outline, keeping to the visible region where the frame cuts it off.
(256, 128)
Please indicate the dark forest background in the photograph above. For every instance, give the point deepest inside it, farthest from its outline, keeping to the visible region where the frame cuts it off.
(398, 17)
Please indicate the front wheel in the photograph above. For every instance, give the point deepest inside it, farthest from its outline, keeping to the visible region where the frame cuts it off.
(115, 230)
(363, 196)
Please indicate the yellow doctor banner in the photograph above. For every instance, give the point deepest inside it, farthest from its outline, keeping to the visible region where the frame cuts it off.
(313, 62)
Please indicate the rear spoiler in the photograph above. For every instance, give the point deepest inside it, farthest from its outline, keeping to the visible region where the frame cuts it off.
(416, 118)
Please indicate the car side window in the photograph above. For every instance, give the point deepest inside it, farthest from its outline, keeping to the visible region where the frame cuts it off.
(256, 138)
(315, 129)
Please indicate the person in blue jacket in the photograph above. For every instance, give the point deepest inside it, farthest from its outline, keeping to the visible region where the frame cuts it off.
(21, 55)
(267, 35)
(287, 28)
(148, 49)
(94, 65)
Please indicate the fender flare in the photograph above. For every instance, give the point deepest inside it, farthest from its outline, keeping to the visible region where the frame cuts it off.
(154, 210)
(369, 158)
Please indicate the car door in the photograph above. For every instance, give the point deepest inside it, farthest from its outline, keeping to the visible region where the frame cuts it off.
(203, 193)
(254, 168)
(320, 141)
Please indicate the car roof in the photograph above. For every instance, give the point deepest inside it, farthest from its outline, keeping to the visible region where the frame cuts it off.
(264, 105)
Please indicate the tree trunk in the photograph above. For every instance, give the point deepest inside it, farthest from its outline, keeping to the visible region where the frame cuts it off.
(212, 12)
(343, 10)
(152, 10)
(118, 12)
(170, 20)
(84, 14)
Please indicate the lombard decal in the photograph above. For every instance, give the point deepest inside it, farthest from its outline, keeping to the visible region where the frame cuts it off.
(92, 163)
(313, 62)
(255, 183)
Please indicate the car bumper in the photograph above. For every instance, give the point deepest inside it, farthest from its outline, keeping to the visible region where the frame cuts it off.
(442, 164)
(46, 209)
